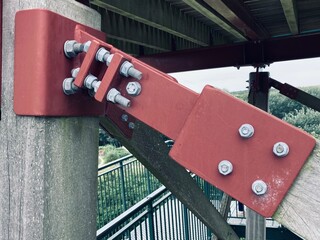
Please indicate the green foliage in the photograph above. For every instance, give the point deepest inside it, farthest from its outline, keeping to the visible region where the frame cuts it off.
(129, 183)
(110, 153)
(291, 111)
(105, 139)
(306, 119)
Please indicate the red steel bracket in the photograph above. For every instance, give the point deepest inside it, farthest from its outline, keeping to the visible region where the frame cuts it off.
(205, 127)
(41, 66)
(211, 134)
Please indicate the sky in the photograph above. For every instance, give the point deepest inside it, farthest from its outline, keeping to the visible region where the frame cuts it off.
(297, 73)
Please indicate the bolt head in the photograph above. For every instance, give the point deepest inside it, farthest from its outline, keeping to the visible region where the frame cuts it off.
(86, 46)
(246, 130)
(101, 54)
(124, 69)
(131, 125)
(68, 86)
(225, 167)
(111, 96)
(259, 187)
(280, 149)
(74, 72)
(89, 80)
(133, 88)
(109, 59)
(68, 48)
(124, 117)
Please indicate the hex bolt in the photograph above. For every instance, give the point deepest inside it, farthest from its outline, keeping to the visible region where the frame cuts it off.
(131, 125)
(259, 187)
(92, 82)
(133, 88)
(225, 167)
(102, 55)
(109, 59)
(246, 130)
(124, 117)
(115, 97)
(127, 69)
(69, 87)
(74, 72)
(86, 46)
(280, 149)
(72, 48)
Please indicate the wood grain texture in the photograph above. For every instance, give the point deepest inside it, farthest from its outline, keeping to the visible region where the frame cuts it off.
(300, 209)
(149, 148)
(48, 166)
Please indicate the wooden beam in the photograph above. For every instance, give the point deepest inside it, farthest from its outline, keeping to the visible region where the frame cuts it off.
(205, 11)
(148, 146)
(160, 15)
(299, 211)
(235, 13)
(290, 11)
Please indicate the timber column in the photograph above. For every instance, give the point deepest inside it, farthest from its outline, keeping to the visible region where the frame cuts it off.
(48, 166)
(259, 97)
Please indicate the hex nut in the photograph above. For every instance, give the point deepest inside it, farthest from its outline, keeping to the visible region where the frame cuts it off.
(86, 46)
(246, 130)
(280, 149)
(225, 167)
(71, 48)
(131, 125)
(68, 86)
(259, 187)
(89, 80)
(74, 72)
(111, 96)
(109, 59)
(124, 69)
(133, 88)
(102, 55)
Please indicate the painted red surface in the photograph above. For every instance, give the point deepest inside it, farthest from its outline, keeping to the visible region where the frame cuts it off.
(41, 66)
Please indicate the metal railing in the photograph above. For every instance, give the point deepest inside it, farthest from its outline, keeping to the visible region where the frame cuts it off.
(121, 184)
(159, 216)
(127, 210)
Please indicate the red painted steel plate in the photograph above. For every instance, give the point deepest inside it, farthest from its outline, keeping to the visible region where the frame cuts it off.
(210, 135)
(41, 67)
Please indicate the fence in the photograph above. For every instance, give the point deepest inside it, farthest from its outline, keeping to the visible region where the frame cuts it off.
(121, 184)
(159, 215)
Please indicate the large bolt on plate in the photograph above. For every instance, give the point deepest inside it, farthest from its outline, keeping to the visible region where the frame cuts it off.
(246, 130)
(133, 88)
(259, 187)
(280, 149)
(225, 167)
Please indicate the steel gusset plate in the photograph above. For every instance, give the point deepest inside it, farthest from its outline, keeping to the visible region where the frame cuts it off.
(210, 135)
(41, 66)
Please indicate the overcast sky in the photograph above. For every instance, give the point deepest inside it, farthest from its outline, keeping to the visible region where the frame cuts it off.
(297, 73)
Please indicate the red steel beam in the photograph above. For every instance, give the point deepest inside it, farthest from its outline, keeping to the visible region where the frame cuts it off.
(242, 54)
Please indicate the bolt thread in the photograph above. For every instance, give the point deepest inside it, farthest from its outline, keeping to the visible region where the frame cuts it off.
(78, 47)
(124, 102)
(135, 73)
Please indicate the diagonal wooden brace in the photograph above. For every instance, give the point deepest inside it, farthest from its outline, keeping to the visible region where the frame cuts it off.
(148, 146)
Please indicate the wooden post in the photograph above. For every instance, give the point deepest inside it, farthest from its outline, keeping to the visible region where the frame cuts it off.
(258, 96)
(148, 146)
(48, 166)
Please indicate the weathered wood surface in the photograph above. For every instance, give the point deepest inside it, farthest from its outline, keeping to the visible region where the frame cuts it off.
(300, 209)
(48, 166)
(149, 147)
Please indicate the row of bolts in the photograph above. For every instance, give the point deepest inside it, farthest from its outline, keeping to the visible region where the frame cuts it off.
(280, 149)
(72, 48)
